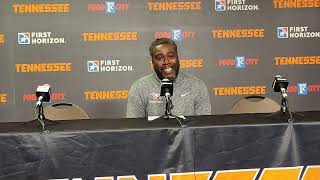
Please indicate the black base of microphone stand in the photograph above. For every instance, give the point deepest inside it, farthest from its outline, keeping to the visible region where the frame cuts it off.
(42, 119)
(284, 110)
(169, 115)
(182, 122)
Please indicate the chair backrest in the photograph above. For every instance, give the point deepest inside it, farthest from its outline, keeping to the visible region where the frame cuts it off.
(254, 104)
(64, 111)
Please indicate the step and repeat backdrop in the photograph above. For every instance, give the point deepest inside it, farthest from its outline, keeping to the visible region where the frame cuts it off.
(91, 51)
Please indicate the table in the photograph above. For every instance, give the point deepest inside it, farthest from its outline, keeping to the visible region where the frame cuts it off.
(248, 144)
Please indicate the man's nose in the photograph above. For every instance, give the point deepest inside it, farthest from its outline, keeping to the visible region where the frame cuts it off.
(166, 60)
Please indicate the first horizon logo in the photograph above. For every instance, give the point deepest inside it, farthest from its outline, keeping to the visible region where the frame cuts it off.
(234, 5)
(108, 65)
(285, 32)
(27, 38)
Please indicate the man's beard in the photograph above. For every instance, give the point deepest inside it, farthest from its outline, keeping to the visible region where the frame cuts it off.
(171, 78)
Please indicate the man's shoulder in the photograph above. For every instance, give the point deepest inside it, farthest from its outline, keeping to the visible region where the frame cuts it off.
(143, 81)
(191, 78)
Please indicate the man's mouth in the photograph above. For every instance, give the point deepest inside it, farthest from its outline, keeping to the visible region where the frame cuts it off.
(167, 70)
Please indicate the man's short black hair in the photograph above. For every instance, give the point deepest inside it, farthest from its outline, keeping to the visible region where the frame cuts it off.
(162, 41)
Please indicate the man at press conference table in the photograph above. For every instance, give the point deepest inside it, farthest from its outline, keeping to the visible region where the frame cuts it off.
(190, 95)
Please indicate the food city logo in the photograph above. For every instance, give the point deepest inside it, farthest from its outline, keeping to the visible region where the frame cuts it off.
(105, 95)
(41, 8)
(1, 38)
(3, 98)
(34, 38)
(108, 7)
(297, 60)
(188, 63)
(176, 34)
(234, 5)
(174, 6)
(238, 62)
(239, 90)
(109, 36)
(288, 173)
(43, 67)
(108, 65)
(284, 4)
(285, 32)
(303, 88)
(31, 97)
(237, 33)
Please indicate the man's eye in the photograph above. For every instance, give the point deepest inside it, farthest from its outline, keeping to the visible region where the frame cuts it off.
(160, 58)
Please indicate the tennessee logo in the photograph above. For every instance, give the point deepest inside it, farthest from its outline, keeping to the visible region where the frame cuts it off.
(43, 67)
(237, 33)
(297, 60)
(278, 173)
(102, 95)
(220, 5)
(241, 90)
(174, 6)
(41, 8)
(24, 38)
(93, 66)
(282, 32)
(3, 98)
(1, 39)
(281, 4)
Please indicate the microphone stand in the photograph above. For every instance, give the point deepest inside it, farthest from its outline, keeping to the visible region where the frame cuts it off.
(168, 113)
(169, 106)
(285, 106)
(39, 116)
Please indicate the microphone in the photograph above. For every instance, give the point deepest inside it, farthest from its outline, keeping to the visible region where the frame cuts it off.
(280, 84)
(167, 91)
(43, 94)
(166, 88)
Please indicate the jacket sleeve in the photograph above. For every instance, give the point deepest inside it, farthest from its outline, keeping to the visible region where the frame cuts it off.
(135, 107)
(202, 102)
